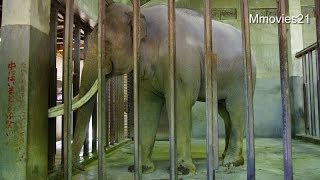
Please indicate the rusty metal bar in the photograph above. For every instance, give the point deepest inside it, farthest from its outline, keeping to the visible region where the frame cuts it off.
(67, 84)
(76, 67)
(136, 55)
(284, 75)
(305, 95)
(249, 91)
(52, 87)
(212, 147)
(317, 14)
(172, 93)
(101, 93)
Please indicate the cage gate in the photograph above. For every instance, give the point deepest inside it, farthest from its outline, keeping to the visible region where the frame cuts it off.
(211, 96)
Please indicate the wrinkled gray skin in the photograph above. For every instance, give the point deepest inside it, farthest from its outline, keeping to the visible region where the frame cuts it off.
(154, 77)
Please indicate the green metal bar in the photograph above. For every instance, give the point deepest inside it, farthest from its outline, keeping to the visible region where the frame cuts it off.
(101, 93)
(67, 84)
(136, 49)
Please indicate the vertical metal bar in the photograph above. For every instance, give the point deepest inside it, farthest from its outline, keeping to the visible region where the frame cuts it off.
(101, 93)
(172, 94)
(94, 128)
(249, 92)
(317, 14)
(311, 92)
(76, 67)
(67, 84)
(112, 112)
(309, 111)
(107, 112)
(130, 105)
(136, 55)
(52, 87)
(317, 90)
(86, 141)
(211, 97)
(305, 95)
(117, 109)
(284, 75)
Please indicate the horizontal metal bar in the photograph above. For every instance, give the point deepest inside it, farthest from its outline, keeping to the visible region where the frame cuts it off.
(306, 50)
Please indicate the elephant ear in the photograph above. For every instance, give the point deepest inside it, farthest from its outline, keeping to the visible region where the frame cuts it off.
(143, 24)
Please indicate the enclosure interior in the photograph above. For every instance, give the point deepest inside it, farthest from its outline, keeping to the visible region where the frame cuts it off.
(304, 88)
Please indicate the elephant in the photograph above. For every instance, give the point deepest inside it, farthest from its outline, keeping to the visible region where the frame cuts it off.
(154, 78)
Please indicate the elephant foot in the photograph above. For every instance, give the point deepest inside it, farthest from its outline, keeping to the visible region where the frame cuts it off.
(146, 169)
(76, 165)
(186, 167)
(231, 160)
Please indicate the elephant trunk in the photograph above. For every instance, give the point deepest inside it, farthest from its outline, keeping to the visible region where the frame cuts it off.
(89, 75)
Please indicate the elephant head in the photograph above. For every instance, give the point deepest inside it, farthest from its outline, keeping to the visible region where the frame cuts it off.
(118, 27)
(119, 37)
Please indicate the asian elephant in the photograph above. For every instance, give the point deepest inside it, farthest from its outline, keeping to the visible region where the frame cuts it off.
(154, 79)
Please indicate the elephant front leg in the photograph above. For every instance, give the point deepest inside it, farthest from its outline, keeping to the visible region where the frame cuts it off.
(183, 129)
(150, 111)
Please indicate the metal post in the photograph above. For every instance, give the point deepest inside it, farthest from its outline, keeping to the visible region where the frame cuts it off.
(311, 92)
(249, 92)
(52, 88)
(317, 14)
(211, 96)
(101, 93)
(172, 94)
(112, 111)
(305, 96)
(107, 113)
(136, 55)
(67, 84)
(308, 100)
(286, 119)
(76, 67)
(86, 140)
(94, 128)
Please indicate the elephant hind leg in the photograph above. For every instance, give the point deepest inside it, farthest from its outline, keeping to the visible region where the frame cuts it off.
(222, 109)
(236, 108)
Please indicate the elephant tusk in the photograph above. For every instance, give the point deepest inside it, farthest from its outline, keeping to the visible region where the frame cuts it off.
(76, 102)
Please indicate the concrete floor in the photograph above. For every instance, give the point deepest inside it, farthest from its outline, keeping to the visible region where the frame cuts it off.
(306, 162)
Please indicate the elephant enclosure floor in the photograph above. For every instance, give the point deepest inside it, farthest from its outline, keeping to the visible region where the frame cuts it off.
(306, 162)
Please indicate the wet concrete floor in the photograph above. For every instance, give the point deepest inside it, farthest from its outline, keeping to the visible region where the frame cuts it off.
(269, 163)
